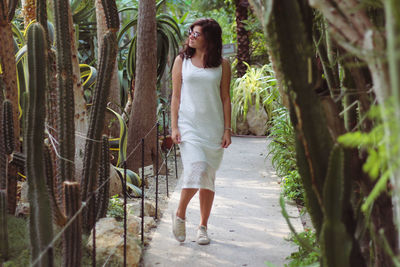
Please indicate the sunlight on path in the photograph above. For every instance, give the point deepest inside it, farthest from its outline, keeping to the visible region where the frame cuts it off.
(246, 225)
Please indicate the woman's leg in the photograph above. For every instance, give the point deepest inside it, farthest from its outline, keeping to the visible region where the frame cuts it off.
(186, 196)
(206, 201)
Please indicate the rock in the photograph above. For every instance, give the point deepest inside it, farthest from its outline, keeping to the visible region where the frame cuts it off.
(115, 183)
(24, 192)
(109, 241)
(22, 210)
(242, 127)
(136, 208)
(134, 225)
(257, 120)
(149, 223)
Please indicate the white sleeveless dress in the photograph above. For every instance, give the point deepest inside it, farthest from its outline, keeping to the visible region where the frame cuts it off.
(201, 124)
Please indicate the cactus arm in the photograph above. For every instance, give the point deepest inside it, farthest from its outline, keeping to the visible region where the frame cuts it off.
(41, 228)
(111, 14)
(97, 114)
(104, 174)
(66, 126)
(8, 128)
(72, 238)
(336, 244)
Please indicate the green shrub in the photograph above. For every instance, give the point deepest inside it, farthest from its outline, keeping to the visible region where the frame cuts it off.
(257, 87)
(304, 257)
(115, 208)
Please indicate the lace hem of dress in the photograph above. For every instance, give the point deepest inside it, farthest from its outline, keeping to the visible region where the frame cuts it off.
(199, 175)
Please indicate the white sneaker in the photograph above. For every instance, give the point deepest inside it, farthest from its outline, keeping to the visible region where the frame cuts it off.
(178, 228)
(202, 237)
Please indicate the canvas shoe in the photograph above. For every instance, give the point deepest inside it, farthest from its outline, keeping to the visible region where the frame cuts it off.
(178, 228)
(202, 237)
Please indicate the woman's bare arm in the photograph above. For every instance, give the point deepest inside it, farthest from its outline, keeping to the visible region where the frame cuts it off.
(226, 102)
(176, 98)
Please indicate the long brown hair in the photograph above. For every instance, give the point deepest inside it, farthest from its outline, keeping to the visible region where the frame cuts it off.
(213, 39)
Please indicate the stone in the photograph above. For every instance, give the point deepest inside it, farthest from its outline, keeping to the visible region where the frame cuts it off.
(24, 192)
(115, 183)
(242, 127)
(257, 120)
(110, 244)
(22, 210)
(149, 223)
(134, 225)
(135, 208)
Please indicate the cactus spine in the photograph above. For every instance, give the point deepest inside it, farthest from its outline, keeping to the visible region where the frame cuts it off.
(3, 226)
(92, 149)
(66, 127)
(72, 241)
(104, 174)
(8, 129)
(41, 228)
(336, 244)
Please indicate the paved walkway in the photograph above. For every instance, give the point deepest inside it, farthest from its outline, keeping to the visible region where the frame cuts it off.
(246, 225)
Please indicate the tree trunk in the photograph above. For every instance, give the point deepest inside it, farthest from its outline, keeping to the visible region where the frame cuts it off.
(111, 125)
(143, 115)
(243, 41)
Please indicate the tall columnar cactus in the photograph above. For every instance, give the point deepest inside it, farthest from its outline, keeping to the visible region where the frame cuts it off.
(97, 113)
(336, 244)
(58, 215)
(3, 226)
(104, 174)
(66, 126)
(111, 14)
(8, 129)
(72, 241)
(41, 228)
(3, 156)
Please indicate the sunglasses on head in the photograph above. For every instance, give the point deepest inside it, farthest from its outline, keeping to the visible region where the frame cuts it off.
(195, 34)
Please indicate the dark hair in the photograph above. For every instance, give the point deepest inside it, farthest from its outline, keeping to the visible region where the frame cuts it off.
(213, 39)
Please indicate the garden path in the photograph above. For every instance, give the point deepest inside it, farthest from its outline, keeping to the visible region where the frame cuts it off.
(246, 225)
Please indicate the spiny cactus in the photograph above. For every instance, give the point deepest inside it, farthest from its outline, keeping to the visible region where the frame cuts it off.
(8, 129)
(41, 228)
(104, 174)
(66, 127)
(3, 226)
(336, 243)
(72, 241)
(3, 156)
(58, 216)
(111, 14)
(97, 113)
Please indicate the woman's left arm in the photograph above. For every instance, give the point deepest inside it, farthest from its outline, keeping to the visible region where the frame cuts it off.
(226, 102)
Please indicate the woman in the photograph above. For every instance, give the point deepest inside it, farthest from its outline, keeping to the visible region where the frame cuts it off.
(200, 119)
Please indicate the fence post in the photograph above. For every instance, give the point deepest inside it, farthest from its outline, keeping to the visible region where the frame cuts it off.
(166, 154)
(157, 152)
(143, 191)
(125, 201)
(176, 165)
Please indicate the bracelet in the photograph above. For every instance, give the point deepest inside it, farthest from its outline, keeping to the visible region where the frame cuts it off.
(230, 129)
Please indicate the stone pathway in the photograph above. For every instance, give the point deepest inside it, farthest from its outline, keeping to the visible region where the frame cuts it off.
(246, 225)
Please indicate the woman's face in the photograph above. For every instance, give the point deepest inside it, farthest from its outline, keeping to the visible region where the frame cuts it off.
(196, 38)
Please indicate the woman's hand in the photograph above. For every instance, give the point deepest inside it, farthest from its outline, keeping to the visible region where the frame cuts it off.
(176, 136)
(226, 139)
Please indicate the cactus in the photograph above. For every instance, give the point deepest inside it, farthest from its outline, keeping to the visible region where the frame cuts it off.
(336, 244)
(58, 216)
(72, 238)
(66, 127)
(3, 226)
(104, 174)
(3, 157)
(111, 14)
(8, 129)
(96, 125)
(41, 228)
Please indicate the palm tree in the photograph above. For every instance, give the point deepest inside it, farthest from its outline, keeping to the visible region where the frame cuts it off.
(143, 115)
(243, 41)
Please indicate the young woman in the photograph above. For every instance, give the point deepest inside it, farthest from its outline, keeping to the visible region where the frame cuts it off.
(200, 119)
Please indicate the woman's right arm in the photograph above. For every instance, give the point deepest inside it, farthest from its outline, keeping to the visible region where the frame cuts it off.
(176, 98)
